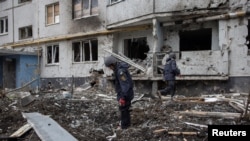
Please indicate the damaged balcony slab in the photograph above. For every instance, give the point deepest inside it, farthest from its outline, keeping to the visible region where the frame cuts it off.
(127, 60)
(47, 129)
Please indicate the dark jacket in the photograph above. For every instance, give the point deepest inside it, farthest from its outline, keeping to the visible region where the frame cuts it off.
(170, 69)
(123, 82)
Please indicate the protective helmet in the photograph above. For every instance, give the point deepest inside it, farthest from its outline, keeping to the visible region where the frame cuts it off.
(172, 55)
(109, 60)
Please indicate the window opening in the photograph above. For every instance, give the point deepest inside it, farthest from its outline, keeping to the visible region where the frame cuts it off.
(85, 51)
(3, 25)
(25, 32)
(136, 48)
(84, 8)
(196, 40)
(22, 1)
(52, 54)
(248, 38)
(52, 14)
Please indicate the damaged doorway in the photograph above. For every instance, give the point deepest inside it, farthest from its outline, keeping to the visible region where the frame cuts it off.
(136, 48)
(9, 73)
(196, 40)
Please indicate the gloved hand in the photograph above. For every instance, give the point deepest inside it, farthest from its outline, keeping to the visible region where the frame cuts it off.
(122, 102)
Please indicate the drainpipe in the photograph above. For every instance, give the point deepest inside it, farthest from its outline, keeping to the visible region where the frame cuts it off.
(39, 51)
(13, 29)
(226, 16)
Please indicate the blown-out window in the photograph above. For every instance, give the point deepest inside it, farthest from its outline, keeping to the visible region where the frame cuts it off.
(85, 51)
(25, 32)
(196, 40)
(136, 48)
(3, 25)
(52, 54)
(52, 14)
(84, 8)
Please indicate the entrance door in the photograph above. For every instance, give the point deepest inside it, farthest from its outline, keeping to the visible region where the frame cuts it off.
(9, 73)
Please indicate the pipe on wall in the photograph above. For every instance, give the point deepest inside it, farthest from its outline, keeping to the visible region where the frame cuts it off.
(230, 15)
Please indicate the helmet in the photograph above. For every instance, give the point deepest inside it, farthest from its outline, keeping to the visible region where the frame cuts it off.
(172, 55)
(109, 61)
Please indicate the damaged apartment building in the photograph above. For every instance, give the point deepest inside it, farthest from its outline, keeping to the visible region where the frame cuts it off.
(59, 43)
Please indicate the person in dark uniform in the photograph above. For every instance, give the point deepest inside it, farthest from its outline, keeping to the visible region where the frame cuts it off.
(170, 72)
(123, 88)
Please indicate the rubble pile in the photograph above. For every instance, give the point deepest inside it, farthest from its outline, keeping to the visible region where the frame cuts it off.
(93, 115)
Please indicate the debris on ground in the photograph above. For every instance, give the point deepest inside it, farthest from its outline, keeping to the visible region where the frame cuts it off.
(92, 114)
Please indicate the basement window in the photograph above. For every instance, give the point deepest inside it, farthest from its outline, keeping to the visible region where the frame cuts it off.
(52, 14)
(25, 32)
(196, 40)
(136, 48)
(3, 25)
(84, 51)
(84, 8)
(52, 54)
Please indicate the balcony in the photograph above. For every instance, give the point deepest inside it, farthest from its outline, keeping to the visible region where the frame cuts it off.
(142, 11)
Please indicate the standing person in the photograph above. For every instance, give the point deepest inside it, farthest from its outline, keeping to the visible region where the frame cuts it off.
(170, 72)
(123, 88)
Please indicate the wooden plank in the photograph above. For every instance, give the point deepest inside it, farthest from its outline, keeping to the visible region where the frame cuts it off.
(183, 133)
(210, 114)
(25, 128)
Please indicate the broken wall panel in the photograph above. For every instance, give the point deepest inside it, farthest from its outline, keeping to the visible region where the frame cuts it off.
(236, 34)
(204, 63)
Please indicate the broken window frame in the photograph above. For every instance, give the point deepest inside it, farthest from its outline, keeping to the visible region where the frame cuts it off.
(25, 32)
(55, 15)
(86, 51)
(52, 53)
(126, 48)
(3, 25)
(84, 12)
(23, 1)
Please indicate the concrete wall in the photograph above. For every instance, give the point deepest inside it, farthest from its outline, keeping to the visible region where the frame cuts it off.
(24, 15)
(66, 66)
(181, 5)
(128, 9)
(67, 24)
(6, 11)
(138, 8)
(212, 62)
(237, 32)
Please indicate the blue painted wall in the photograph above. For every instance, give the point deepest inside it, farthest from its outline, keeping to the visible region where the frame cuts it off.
(26, 69)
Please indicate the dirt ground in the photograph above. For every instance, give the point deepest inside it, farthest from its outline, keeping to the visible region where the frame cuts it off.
(93, 115)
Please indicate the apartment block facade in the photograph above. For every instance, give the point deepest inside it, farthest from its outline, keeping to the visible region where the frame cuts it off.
(61, 42)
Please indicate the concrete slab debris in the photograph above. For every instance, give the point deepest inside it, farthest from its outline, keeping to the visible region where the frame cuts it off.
(47, 129)
(27, 100)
